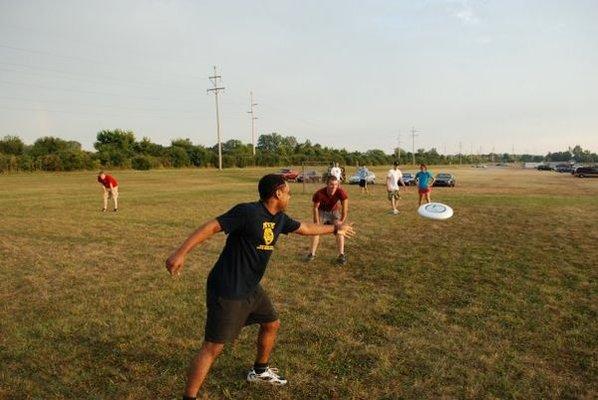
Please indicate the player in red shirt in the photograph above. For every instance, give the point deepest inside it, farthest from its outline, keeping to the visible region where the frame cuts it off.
(326, 211)
(110, 186)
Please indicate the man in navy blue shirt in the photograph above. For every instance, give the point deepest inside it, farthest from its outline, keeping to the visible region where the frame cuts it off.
(234, 296)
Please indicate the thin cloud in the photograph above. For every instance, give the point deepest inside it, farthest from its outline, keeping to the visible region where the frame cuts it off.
(464, 11)
(467, 16)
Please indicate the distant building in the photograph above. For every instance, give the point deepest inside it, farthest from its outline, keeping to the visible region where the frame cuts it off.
(532, 165)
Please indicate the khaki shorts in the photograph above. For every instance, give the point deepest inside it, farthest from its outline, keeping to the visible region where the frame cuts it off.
(394, 194)
(111, 193)
(329, 217)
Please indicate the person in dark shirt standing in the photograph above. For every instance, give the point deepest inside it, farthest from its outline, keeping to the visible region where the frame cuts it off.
(326, 211)
(110, 186)
(234, 296)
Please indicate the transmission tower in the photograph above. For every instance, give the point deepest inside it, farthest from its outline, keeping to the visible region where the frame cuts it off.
(414, 133)
(216, 89)
(399, 147)
(253, 118)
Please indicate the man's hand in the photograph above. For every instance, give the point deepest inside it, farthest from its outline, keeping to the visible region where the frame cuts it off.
(346, 230)
(174, 264)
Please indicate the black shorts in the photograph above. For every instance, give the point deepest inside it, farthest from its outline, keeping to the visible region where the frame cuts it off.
(362, 183)
(226, 317)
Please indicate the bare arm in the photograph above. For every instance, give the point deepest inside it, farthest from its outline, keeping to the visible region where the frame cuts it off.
(316, 213)
(309, 229)
(345, 205)
(388, 178)
(174, 263)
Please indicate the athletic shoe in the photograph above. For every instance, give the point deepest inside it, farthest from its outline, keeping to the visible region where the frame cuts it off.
(341, 260)
(103, 210)
(270, 375)
(116, 209)
(310, 257)
(395, 212)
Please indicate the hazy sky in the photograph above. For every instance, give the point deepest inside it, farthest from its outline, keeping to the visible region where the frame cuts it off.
(354, 74)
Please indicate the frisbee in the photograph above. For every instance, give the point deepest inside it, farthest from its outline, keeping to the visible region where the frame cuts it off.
(435, 211)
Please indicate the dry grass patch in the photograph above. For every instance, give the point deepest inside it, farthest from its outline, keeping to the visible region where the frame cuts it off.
(498, 302)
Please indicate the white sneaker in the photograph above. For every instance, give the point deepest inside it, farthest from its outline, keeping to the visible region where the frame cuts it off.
(270, 375)
(395, 212)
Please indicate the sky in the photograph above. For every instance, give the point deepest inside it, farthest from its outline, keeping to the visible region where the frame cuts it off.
(478, 76)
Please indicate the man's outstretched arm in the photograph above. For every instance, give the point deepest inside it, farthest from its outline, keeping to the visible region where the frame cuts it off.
(309, 229)
(174, 263)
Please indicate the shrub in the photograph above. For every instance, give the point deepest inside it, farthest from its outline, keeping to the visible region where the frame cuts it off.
(141, 163)
(51, 162)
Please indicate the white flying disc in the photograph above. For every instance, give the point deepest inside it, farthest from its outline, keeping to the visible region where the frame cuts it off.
(435, 211)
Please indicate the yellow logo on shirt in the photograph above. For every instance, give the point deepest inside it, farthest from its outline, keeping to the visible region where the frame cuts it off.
(268, 228)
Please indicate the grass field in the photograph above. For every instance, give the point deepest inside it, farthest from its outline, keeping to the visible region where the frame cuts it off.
(497, 302)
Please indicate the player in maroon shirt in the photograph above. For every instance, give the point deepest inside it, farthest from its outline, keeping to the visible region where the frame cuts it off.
(326, 204)
(110, 186)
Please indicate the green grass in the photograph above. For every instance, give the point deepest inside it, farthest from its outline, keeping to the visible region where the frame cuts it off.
(497, 302)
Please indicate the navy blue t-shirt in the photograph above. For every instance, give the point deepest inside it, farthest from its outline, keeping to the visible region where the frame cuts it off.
(252, 233)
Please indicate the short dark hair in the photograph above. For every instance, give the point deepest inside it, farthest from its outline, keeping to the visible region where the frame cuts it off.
(396, 163)
(332, 178)
(268, 184)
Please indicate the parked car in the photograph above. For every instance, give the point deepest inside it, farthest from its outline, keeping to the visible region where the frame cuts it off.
(444, 179)
(289, 174)
(586, 172)
(370, 177)
(544, 167)
(574, 168)
(409, 178)
(309, 176)
(563, 168)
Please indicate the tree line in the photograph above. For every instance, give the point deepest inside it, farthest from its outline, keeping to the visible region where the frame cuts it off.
(121, 150)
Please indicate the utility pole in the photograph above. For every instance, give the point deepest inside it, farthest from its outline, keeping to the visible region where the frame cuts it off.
(414, 133)
(460, 151)
(215, 89)
(399, 147)
(253, 118)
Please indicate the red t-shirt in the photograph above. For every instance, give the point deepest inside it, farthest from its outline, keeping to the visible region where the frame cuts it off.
(329, 203)
(107, 181)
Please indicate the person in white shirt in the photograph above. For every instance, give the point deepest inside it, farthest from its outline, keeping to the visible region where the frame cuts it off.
(336, 171)
(394, 177)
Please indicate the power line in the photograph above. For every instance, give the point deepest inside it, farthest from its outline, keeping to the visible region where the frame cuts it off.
(86, 60)
(216, 89)
(154, 110)
(153, 115)
(80, 91)
(82, 77)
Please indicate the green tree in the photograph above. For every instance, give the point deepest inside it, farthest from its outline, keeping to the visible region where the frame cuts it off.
(147, 147)
(52, 145)
(179, 157)
(12, 145)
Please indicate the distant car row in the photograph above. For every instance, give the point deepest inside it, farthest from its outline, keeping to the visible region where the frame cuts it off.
(576, 170)
(585, 172)
(441, 179)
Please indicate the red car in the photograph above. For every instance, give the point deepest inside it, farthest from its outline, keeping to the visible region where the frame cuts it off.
(289, 174)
